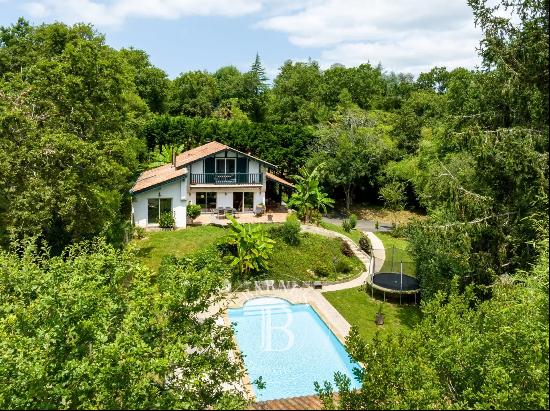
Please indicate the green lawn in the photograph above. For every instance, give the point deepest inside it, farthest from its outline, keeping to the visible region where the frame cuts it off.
(179, 242)
(292, 262)
(396, 251)
(287, 263)
(354, 234)
(359, 309)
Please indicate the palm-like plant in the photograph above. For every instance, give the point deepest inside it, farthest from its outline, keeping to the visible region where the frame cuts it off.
(164, 156)
(253, 248)
(308, 196)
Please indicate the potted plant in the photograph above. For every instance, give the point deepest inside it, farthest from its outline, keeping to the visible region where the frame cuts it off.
(379, 317)
(193, 211)
(167, 221)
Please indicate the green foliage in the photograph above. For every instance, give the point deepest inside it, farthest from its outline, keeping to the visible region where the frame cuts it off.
(290, 230)
(67, 108)
(353, 220)
(464, 353)
(95, 329)
(308, 197)
(323, 271)
(346, 225)
(345, 248)
(139, 232)
(193, 211)
(353, 146)
(393, 195)
(194, 93)
(286, 146)
(342, 266)
(365, 244)
(253, 248)
(166, 220)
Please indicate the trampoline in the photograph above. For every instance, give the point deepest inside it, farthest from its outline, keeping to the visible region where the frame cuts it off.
(395, 283)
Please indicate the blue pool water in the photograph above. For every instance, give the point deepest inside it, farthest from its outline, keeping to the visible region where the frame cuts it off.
(289, 346)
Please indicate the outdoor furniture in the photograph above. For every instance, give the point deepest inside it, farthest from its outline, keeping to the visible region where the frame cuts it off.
(258, 211)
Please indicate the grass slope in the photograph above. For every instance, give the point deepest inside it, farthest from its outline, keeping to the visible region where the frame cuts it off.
(359, 309)
(180, 242)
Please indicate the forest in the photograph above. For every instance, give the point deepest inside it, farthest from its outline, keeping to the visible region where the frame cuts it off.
(79, 121)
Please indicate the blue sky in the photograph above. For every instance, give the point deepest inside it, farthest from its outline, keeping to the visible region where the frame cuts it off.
(182, 35)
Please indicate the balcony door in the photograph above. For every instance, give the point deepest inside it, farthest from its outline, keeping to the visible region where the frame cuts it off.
(225, 170)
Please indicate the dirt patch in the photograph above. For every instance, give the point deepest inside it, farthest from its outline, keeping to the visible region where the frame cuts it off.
(385, 216)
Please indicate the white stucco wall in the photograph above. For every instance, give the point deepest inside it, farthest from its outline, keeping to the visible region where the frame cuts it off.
(226, 200)
(176, 190)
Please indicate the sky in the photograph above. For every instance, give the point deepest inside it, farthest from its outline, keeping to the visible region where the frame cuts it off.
(182, 35)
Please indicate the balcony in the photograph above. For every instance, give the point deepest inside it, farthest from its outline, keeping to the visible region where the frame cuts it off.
(227, 178)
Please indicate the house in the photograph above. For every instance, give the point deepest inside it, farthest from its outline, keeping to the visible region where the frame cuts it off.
(213, 175)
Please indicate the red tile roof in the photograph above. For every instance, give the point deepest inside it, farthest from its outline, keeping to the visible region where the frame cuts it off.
(278, 179)
(156, 176)
(190, 156)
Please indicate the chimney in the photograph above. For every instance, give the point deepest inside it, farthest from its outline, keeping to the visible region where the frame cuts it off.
(174, 156)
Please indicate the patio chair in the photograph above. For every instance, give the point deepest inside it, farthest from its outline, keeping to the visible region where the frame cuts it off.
(258, 211)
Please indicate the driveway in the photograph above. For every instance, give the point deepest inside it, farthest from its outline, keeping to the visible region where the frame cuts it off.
(362, 225)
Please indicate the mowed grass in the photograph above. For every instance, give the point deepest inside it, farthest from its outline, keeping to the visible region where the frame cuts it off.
(287, 262)
(354, 234)
(359, 309)
(396, 251)
(293, 262)
(158, 244)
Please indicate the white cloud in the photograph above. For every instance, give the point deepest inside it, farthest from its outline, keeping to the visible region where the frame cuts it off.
(116, 12)
(403, 35)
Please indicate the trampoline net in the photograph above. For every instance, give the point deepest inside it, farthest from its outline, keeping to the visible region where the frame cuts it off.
(393, 260)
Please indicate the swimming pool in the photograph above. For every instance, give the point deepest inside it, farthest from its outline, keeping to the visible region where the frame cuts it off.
(289, 346)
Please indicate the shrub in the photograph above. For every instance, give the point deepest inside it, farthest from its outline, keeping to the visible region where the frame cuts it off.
(290, 230)
(353, 220)
(346, 226)
(365, 244)
(346, 249)
(193, 211)
(138, 232)
(315, 217)
(342, 266)
(322, 271)
(167, 220)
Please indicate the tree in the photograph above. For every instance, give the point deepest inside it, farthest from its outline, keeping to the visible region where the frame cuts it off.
(353, 147)
(464, 354)
(295, 96)
(308, 196)
(67, 107)
(96, 329)
(152, 83)
(194, 93)
(252, 248)
(255, 88)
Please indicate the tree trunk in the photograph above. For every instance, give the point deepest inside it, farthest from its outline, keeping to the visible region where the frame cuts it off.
(348, 191)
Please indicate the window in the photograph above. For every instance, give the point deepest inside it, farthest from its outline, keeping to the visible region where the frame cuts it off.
(243, 201)
(248, 201)
(225, 165)
(157, 206)
(207, 201)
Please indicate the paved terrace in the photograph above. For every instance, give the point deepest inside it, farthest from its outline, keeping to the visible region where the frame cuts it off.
(243, 218)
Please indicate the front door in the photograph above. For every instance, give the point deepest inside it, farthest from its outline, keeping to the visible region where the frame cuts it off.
(238, 201)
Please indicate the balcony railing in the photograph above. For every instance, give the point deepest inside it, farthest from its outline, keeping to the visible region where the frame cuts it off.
(226, 178)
